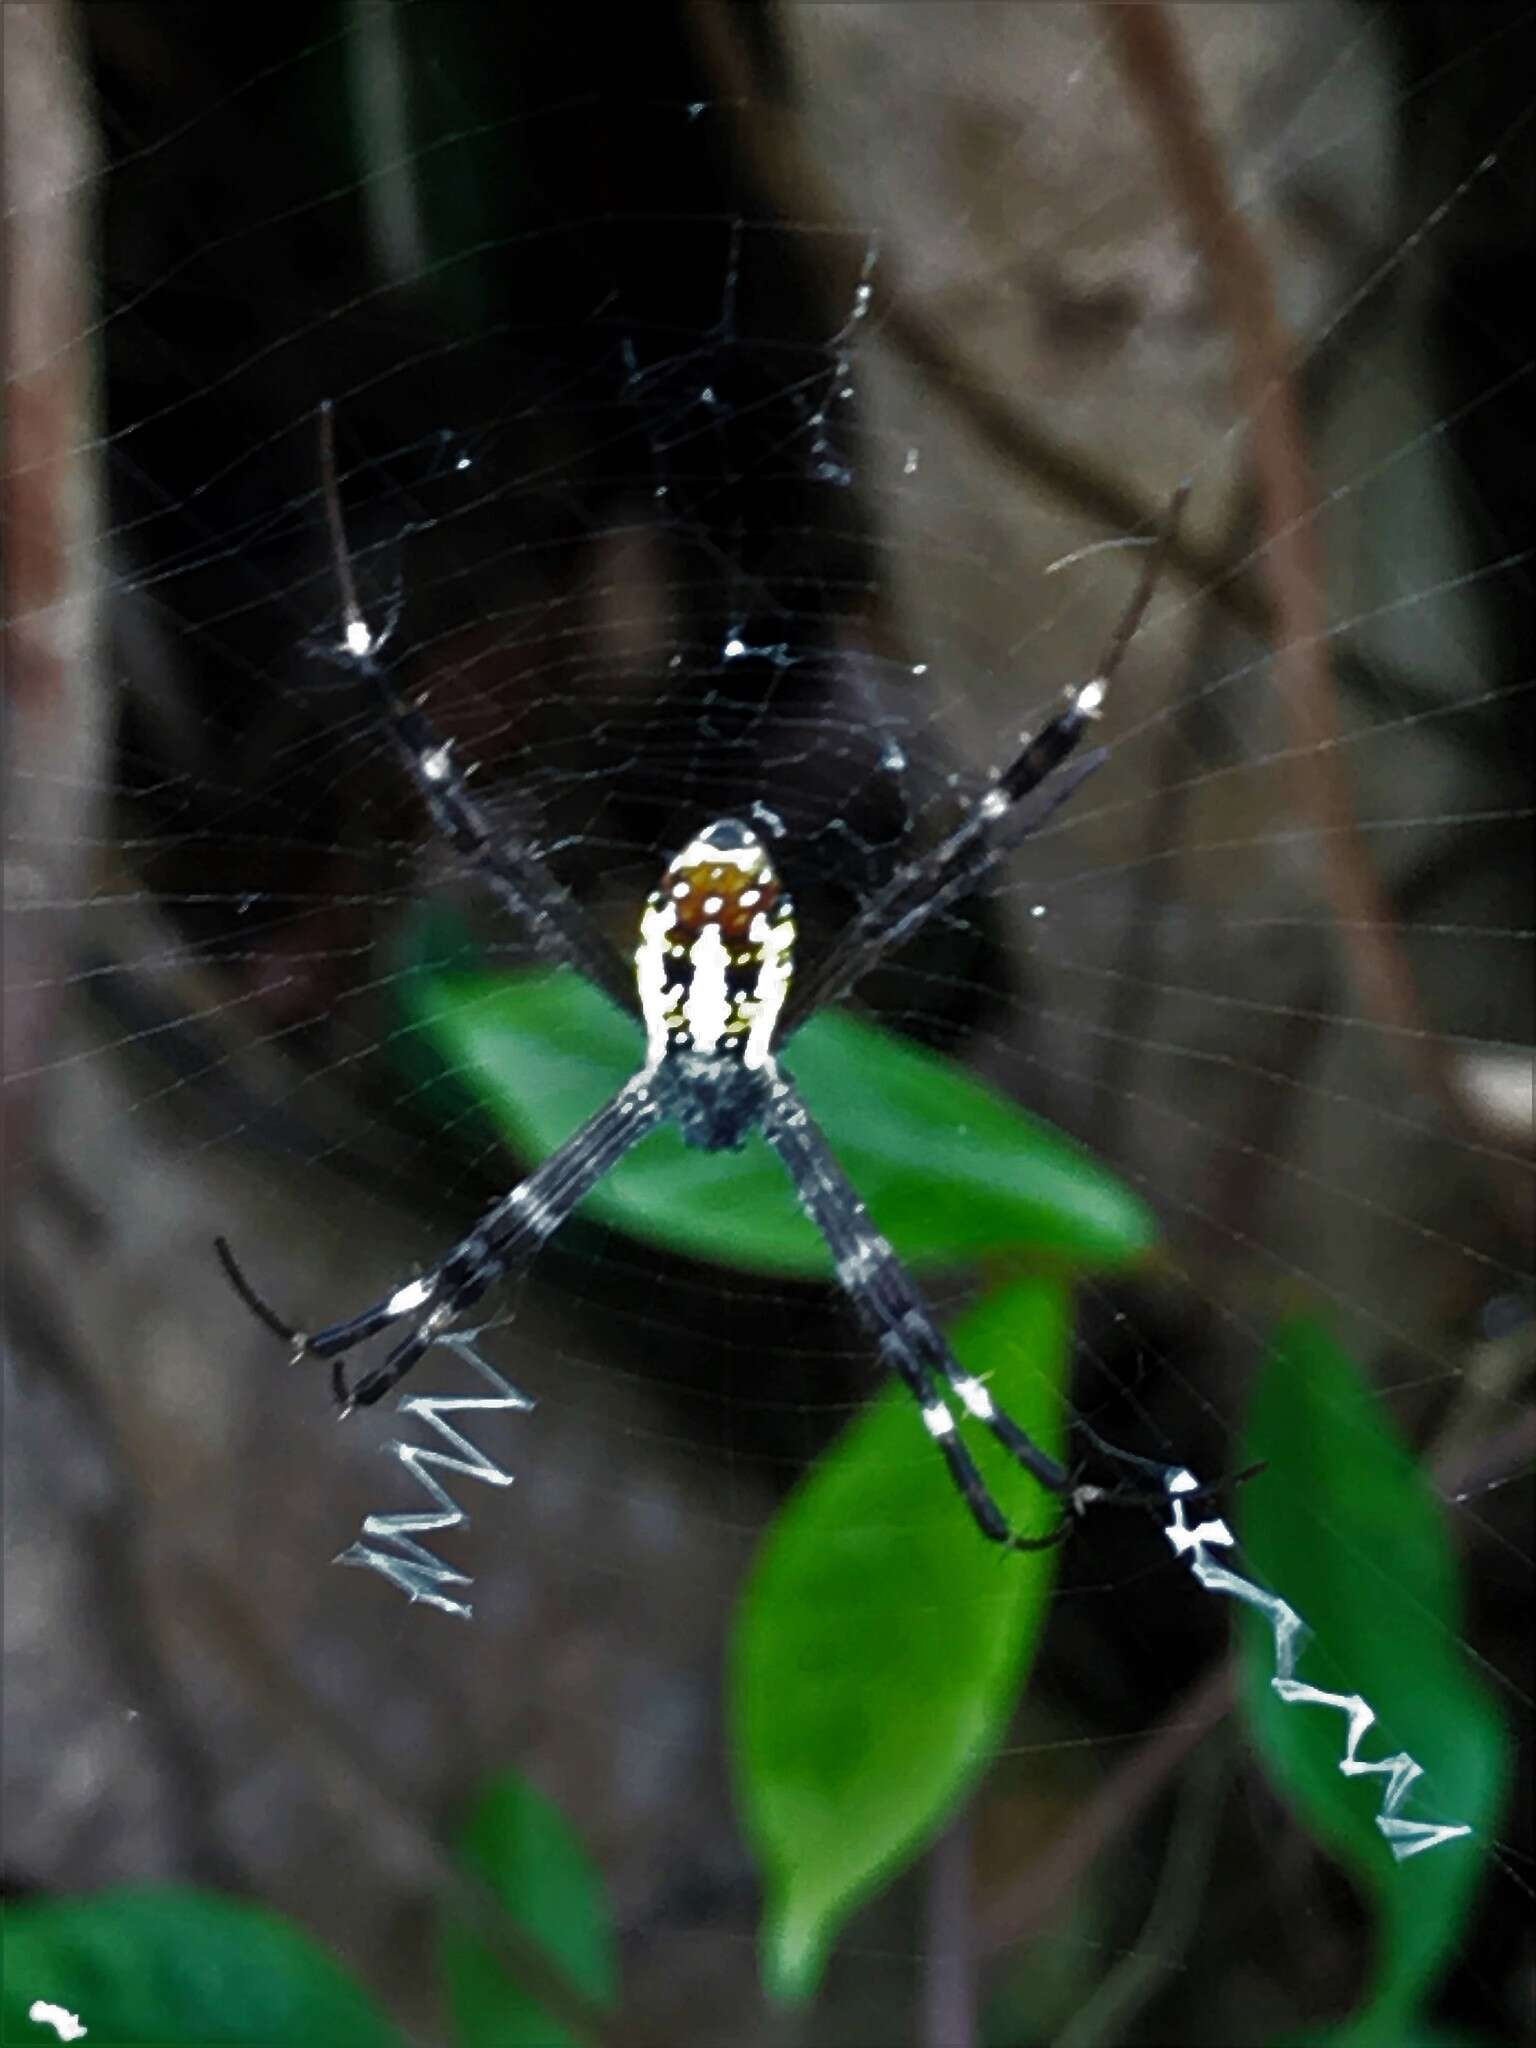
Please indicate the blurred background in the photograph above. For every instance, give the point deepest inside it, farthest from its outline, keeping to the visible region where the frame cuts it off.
(737, 400)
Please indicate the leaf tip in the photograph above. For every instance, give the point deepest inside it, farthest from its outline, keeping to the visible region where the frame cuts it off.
(794, 1950)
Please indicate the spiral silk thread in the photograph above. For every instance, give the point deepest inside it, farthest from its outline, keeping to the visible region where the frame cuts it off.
(407, 1563)
(1404, 1838)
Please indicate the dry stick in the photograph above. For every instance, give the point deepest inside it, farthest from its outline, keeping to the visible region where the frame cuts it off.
(949, 2018)
(1158, 1949)
(1042, 1890)
(1159, 80)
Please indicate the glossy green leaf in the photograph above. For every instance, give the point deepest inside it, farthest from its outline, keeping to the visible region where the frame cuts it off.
(524, 1849)
(169, 1966)
(949, 1169)
(882, 1640)
(1344, 1525)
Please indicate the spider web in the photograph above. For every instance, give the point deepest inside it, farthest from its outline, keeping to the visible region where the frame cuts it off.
(747, 414)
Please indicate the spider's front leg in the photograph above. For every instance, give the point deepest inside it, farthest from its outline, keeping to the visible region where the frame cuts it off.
(499, 1248)
(516, 873)
(1019, 799)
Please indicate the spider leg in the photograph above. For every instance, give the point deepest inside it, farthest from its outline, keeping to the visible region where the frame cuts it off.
(1156, 1494)
(500, 1247)
(1019, 799)
(889, 1305)
(923, 888)
(260, 1308)
(516, 874)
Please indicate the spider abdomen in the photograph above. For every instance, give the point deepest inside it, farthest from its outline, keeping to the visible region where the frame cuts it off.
(715, 955)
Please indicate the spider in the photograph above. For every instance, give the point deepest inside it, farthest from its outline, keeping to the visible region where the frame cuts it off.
(716, 995)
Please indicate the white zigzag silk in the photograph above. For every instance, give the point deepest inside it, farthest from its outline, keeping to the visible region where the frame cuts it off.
(1404, 1838)
(409, 1565)
(412, 1567)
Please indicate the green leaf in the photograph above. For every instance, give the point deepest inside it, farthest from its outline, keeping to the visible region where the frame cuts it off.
(521, 1845)
(950, 1170)
(166, 1966)
(1344, 1526)
(882, 1640)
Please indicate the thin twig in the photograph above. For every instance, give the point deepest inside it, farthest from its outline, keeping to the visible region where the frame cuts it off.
(949, 1941)
(1042, 1890)
(1106, 2014)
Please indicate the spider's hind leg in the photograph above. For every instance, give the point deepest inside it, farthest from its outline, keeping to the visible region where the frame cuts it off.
(1162, 1477)
(888, 1304)
(340, 1338)
(963, 1469)
(258, 1305)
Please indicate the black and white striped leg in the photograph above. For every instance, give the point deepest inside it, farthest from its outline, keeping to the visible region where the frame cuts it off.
(920, 891)
(1161, 1477)
(1017, 802)
(517, 874)
(499, 1248)
(890, 1307)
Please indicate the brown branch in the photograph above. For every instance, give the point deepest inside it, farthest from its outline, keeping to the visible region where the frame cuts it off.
(1041, 1891)
(950, 2016)
(1160, 82)
(1156, 1953)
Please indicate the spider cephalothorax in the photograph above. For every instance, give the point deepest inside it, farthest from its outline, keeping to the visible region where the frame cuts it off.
(712, 992)
(717, 942)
